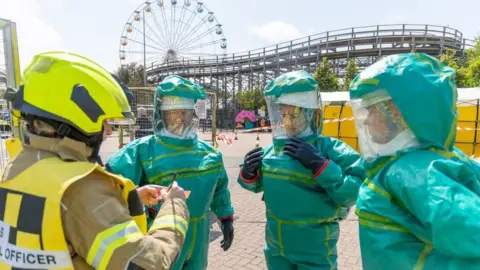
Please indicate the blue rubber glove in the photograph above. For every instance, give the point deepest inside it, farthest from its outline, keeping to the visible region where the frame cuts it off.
(304, 152)
(252, 162)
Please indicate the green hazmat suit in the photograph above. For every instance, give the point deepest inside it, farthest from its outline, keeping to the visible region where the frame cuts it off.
(420, 206)
(303, 209)
(177, 150)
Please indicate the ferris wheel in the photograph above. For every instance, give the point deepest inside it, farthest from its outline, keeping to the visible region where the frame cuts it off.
(160, 32)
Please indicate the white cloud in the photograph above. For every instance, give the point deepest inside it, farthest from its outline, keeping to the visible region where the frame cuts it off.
(275, 31)
(34, 35)
(53, 4)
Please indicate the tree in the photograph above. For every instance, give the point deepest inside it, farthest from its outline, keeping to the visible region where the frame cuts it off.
(467, 69)
(131, 74)
(475, 51)
(449, 58)
(350, 72)
(251, 100)
(473, 71)
(326, 77)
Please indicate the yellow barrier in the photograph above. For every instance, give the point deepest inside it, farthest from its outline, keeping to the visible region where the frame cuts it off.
(467, 131)
(339, 122)
(344, 129)
(14, 146)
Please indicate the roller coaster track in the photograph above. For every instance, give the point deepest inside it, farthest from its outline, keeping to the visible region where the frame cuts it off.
(227, 75)
(365, 44)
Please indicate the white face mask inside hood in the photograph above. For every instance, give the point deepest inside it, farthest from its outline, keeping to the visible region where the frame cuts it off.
(381, 129)
(404, 140)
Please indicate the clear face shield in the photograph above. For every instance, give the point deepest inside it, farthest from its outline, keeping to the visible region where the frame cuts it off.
(381, 129)
(295, 114)
(175, 117)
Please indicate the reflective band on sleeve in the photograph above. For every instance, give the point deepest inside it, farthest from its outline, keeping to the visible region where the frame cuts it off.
(107, 241)
(171, 222)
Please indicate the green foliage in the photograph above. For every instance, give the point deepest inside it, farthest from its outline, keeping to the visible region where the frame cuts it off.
(251, 99)
(449, 58)
(350, 72)
(326, 77)
(131, 74)
(468, 69)
(475, 51)
(473, 69)
(473, 72)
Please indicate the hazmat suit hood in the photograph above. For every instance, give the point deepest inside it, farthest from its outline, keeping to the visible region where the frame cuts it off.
(422, 89)
(174, 117)
(294, 106)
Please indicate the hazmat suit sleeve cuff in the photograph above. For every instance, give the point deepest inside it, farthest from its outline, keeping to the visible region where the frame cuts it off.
(328, 174)
(249, 181)
(319, 172)
(223, 209)
(225, 218)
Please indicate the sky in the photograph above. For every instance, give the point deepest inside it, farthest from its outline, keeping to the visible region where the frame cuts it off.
(93, 27)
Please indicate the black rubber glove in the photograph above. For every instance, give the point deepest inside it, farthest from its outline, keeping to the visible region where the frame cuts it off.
(152, 212)
(107, 167)
(252, 162)
(100, 162)
(304, 152)
(227, 230)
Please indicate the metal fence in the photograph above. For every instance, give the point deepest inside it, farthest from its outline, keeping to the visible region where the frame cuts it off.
(143, 108)
(9, 77)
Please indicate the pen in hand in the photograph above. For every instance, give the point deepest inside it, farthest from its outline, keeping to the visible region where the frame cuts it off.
(173, 180)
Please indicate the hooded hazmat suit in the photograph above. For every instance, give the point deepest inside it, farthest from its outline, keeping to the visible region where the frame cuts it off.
(420, 206)
(175, 149)
(309, 182)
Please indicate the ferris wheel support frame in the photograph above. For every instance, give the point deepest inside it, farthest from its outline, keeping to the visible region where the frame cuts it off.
(144, 52)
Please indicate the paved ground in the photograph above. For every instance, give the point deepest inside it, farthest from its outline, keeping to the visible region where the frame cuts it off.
(247, 249)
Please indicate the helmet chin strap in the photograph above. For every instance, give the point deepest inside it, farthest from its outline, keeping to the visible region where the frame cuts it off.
(64, 130)
(95, 157)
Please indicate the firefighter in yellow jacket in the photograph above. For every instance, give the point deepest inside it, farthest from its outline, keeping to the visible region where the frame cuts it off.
(58, 208)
